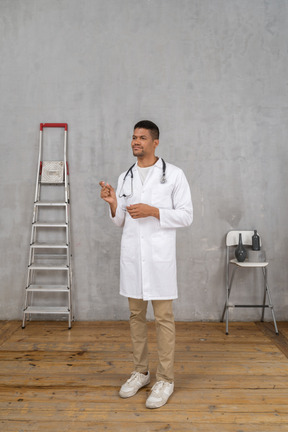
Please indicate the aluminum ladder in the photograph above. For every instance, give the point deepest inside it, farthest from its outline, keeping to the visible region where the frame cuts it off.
(49, 276)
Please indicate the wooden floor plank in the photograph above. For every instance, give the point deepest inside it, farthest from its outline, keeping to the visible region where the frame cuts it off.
(99, 408)
(110, 394)
(96, 426)
(210, 353)
(196, 366)
(165, 414)
(53, 379)
(7, 329)
(279, 340)
(185, 381)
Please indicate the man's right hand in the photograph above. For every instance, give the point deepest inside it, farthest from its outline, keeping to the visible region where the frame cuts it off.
(108, 194)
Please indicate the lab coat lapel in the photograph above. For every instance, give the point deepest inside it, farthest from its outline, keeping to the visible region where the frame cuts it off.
(154, 173)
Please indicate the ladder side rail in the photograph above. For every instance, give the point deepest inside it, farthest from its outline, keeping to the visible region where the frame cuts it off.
(31, 256)
(69, 258)
(69, 276)
(70, 291)
(37, 198)
(39, 167)
(68, 238)
(32, 234)
(65, 168)
(69, 250)
(28, 278)
(67, 234)
(32, 241)
(68, 279)
(66, 186)
(67, 213)
(68, 254)
(28, 295)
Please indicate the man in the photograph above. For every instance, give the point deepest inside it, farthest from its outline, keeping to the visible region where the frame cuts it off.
(152, 200)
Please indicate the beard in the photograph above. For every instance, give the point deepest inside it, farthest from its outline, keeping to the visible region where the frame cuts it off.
(138, 152)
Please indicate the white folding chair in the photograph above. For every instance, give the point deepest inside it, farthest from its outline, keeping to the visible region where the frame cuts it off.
(232, 240)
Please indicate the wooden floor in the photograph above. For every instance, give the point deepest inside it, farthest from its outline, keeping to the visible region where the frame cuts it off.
(55, 379)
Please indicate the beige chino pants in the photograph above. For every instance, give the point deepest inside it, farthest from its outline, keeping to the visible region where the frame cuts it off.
(165, 331)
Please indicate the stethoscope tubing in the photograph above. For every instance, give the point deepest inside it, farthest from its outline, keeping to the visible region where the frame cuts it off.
(130, 170)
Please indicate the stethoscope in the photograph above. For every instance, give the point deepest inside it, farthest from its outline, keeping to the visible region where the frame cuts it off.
(130, 171)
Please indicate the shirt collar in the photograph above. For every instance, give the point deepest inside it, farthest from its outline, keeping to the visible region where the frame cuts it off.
(157, 164)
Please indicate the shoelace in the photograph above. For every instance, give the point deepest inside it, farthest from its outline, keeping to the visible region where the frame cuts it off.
(158, 386)
(134, 376)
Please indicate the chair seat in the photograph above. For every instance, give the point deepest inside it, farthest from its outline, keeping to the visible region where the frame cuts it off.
(249, 263)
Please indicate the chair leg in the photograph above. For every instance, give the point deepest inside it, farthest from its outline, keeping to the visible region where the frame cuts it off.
(270, 304)
(264, 299)
(224, 310)
(226, 307)
(272, 311)
(227, 320)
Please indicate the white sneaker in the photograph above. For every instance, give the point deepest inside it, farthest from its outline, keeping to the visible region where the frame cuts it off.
(133, 384)
(160, 393)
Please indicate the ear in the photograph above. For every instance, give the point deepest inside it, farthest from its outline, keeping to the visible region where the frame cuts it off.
(155, 143)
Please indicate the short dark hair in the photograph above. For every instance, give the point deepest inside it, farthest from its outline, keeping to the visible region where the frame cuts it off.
(149, 125)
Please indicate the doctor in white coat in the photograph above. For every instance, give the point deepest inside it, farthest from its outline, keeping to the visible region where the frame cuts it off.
(152, 199)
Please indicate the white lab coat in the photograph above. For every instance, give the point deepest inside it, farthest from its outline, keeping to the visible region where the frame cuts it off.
(148, 246)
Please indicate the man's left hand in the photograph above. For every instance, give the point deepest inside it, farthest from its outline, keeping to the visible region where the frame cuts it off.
(137, 211)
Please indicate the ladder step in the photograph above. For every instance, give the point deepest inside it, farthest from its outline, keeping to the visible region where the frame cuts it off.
(47, 310)
(44, 183)
(50, 204)
(48, 288)
(50, 224)
(49, 245)
(48, 256)
(48, 267)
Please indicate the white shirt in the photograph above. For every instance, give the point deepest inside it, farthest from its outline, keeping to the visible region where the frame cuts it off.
(143, 172)
(148, 245)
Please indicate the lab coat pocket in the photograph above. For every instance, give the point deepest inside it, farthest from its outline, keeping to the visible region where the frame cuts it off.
(162, 196)
(163, 246)
(129, 249)
(127, 202)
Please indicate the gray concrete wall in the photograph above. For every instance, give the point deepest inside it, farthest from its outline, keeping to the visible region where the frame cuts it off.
(211, 73)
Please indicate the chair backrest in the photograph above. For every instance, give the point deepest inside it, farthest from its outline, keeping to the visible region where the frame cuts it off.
(232, 238)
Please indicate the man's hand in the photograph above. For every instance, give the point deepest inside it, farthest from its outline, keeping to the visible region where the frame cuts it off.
(108, 194)
(143, 210)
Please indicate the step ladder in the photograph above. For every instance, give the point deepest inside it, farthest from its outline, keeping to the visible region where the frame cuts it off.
(49, 276)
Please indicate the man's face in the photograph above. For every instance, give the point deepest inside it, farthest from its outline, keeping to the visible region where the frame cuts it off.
(143, 144)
